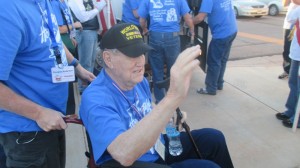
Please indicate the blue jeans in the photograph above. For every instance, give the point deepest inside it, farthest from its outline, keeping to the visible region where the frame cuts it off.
(212, 146)
(2, 158)
(87, 50)
(218, 53)
(166, 48)
(294, 84)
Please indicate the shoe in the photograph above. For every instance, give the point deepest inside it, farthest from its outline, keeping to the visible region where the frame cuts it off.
(220, 87)
(283, 75)
(288, 123)
(204, 91)
(282, 116)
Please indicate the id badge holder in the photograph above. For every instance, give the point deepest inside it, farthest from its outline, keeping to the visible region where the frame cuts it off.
(160, 148)
(63, 74)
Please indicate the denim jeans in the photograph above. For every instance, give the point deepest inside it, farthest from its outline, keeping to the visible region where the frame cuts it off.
(294, 84)
(212, 146)
(2, 158)
(34, 149)
(87, 50)
(286, 51)
(218, 53)
(166, 48)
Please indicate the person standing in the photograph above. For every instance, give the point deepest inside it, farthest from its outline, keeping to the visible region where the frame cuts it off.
(287, 28)
(130, 12)
(164, 28)
(35, 70)
(67, 32)
(288, 116)
(222, 23)
(86, 12)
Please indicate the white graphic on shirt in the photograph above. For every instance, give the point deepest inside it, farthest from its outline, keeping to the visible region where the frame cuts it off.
(171, 15)
(143, 109)
(226, 5)
(157, 4)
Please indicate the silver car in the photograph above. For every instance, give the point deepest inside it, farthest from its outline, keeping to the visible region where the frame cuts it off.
(275, 7)
(249, 8)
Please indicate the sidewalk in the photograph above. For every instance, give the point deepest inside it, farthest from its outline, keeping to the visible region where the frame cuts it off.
(244, 111)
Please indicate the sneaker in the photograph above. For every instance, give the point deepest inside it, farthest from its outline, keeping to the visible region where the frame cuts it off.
(288, 123)
(283, 75)
(204, 91)
(282, 116)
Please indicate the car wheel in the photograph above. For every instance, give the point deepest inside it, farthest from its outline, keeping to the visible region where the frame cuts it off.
(258, 16)
(236, 12)
(273, 10)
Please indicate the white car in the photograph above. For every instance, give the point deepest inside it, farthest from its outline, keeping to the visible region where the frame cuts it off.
(249, 8)
(275, 7)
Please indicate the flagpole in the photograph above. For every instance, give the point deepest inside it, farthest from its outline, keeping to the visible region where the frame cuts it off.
(108, 15)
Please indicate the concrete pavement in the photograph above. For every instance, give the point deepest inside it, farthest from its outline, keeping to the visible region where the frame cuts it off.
(244, 111)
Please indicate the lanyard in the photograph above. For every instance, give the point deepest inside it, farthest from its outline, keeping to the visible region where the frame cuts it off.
(62, 6)
(49, 23)
(140, 116)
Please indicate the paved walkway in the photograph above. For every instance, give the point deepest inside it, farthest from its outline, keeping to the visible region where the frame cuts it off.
(244, 110)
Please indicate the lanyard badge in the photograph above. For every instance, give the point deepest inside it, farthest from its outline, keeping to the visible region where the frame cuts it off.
(60, 73)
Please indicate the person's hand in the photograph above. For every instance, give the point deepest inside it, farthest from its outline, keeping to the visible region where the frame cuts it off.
(74, 42)
(49, 119)
(78, 25)
(145, 31)
(84, 74)
(181, 73)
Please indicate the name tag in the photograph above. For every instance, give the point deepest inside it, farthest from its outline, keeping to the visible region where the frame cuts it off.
(65, 74)
(160, 148)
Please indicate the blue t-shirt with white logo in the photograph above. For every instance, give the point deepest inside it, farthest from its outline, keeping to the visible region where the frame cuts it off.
(60, 8)
(26, 59)
(164, 15)
(107, 113)
(128, 7)
(220, 17)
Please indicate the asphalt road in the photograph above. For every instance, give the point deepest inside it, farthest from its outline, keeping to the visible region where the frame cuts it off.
(258, 37)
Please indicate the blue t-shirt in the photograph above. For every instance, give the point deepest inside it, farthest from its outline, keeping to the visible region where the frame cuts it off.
(59, 7)
(26, 59)
(220, 17)
(106, 113)
(128, 7)
(164, 15)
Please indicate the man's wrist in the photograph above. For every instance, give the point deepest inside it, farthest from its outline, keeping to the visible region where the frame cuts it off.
(74, 63)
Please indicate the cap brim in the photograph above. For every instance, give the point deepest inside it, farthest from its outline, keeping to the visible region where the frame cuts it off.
(135, 50)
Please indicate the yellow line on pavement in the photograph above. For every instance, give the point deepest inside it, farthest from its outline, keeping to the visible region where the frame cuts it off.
(261, 38)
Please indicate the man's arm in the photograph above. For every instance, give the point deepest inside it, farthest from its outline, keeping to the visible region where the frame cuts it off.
(143, 23)
(133, 143)
(82, 73)
(79, 10)
(46, 118)
(199, 18)
(189, 21)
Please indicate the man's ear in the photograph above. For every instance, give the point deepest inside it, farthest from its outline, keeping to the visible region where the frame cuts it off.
(107, 59)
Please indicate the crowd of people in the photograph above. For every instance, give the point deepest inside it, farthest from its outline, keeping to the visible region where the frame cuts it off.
(42, 51)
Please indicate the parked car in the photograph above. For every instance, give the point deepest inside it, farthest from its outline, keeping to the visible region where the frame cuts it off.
(249, 8)
(275, 7)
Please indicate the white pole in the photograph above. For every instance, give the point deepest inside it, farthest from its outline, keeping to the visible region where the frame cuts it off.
(296, 118)
(108, 14)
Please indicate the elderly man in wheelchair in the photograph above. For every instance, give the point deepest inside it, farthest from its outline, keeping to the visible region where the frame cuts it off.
(123, 125)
